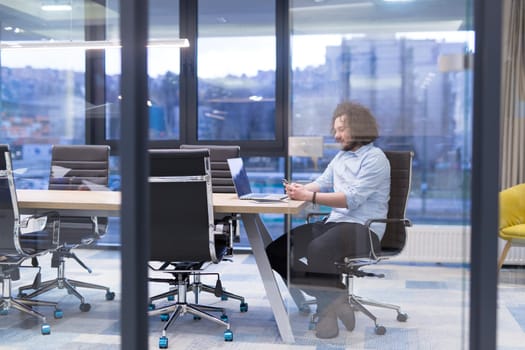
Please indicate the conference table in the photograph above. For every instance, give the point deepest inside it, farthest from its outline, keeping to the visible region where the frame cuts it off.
(107, 203)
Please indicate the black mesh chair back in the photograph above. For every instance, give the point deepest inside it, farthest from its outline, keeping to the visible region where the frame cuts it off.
(85, 168)
(394, 239)
(220, 172)
(79, 167)
(222, 183)
(181, 207)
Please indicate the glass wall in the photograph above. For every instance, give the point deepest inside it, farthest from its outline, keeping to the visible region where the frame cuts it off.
(398, 58)
(511, 258)
(48, 97)
(163, 72)
(395, 60)
(400, 72)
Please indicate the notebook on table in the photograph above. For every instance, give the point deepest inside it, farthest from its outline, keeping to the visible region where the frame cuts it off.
(242, 183)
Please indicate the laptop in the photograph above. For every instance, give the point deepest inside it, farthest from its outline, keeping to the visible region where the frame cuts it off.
(242, 184)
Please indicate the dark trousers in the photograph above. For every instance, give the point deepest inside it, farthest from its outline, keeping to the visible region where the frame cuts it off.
(314, 249)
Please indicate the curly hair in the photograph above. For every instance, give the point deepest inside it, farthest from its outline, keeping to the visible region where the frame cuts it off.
(362, 124)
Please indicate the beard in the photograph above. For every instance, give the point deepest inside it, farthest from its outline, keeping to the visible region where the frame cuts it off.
(351, 146)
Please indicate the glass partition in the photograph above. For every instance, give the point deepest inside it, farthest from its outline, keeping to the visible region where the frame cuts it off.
(46, 96)
(404, 61)
(163, 73)
(511, 252)
(407, 61)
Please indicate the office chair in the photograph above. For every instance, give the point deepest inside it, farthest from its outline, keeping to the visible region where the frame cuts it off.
(511, 219)
(222, 183)
(16, 247)
(392, 242)
(84, 168)
(182, 231)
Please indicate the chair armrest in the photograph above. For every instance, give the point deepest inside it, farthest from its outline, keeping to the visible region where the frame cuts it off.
(53, 225)
(406, 222)
(373, 257)
(313, 214)
(49, 230)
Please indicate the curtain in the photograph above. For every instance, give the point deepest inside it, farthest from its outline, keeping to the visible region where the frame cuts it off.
(513, 95)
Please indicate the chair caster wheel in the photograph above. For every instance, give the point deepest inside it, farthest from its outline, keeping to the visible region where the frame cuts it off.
(163, 342)
(110, 295)
(313, 322)
(164, 317)
(196, 318)
(402, 317)
(45, 329)
(151, 307)
(85, 307)
(244, 307)
(224, 318)
(380, 330)
(228, 335)
(171, 297)
(224, 297)
(58, 314)
(4, 312)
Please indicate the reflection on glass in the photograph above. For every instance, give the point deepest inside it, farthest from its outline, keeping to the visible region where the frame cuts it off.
(236, 73)
(45, 97)
(42, 103)
(386, 55)
(163, 72)
(418, 106)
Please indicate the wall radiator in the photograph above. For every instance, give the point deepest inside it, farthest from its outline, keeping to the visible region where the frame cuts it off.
(447, 244)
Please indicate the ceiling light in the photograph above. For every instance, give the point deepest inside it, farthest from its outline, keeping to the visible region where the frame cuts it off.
(87, 45)
(56, 5)
(335, 7)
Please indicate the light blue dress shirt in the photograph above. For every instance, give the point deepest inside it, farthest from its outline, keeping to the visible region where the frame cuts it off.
(364, 177)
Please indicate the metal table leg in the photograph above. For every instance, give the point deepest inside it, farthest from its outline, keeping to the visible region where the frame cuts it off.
(259, 238)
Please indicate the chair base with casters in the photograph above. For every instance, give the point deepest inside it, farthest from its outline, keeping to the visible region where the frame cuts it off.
(61, 282)
(350, 270)
(197, 287)
(358, 303)
(7, 301)
(171, 312)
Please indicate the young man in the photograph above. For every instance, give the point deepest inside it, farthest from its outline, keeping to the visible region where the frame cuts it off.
(356, 185)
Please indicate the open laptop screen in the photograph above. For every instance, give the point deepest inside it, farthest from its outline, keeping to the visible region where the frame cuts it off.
(242, 183)
(239, 176)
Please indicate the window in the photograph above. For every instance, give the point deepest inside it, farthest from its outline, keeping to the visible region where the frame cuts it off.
(236, 71)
